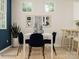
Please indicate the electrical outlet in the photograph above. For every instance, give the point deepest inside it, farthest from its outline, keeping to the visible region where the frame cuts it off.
(7, 41)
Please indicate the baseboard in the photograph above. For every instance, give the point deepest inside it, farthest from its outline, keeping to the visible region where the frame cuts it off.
(5, 49)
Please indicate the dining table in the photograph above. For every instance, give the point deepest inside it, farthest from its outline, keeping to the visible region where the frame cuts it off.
(46, 36)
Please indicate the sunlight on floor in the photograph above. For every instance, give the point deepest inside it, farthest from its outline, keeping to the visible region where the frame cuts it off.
(63, 54)
(36, 54)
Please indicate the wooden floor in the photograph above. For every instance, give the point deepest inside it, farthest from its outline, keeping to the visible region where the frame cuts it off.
(64, 54)
(37, 54)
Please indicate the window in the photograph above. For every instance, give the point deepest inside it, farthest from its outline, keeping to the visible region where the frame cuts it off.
(3, 10)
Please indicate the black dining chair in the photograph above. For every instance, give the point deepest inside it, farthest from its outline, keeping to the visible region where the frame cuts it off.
(36, 40)
(20, 40)
(54, 38)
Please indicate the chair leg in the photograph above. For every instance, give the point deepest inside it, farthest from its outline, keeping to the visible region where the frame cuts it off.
(43, 52)
(30, 49)
(18, 50)
(21, 47)
(54, 50)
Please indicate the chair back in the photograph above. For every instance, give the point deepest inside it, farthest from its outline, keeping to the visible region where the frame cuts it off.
(54, 37)
(20, 38)
(36, 40)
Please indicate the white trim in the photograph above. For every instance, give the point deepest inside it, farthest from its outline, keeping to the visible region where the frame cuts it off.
(5, 49)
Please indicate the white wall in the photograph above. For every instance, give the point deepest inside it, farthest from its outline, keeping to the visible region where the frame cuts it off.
(61, 18)
(20, 17)
(76, 9)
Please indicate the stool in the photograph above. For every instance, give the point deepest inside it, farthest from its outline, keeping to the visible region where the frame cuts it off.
(75, 45)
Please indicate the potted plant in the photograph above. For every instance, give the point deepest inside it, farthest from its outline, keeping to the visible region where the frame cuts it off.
(77, 23)
(15, 31)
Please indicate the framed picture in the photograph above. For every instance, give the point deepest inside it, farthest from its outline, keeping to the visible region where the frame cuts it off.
(27, 7)
(49, 7)
(38, 22)
(46, 21)
(29, 21)
(38, 28)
